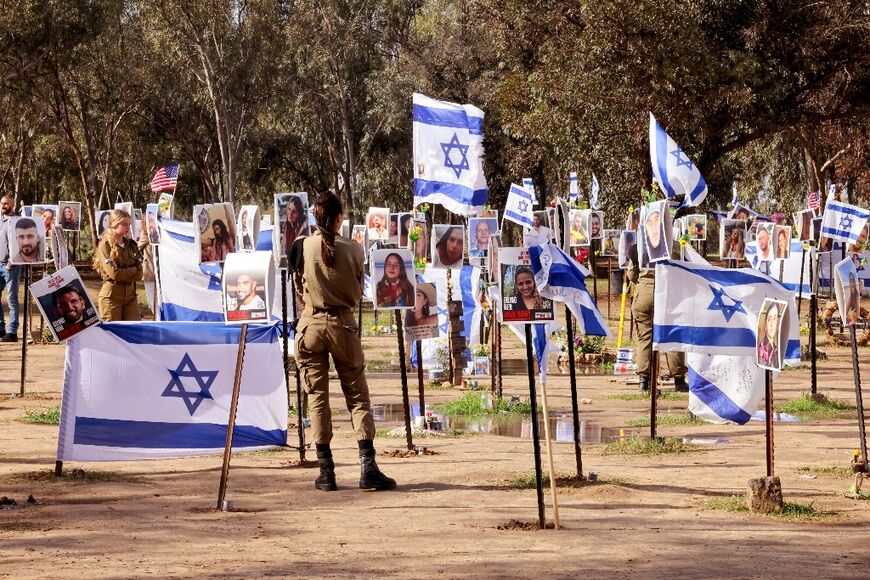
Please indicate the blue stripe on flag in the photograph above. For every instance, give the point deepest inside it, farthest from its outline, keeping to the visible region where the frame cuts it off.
(715, 399)
(699, 187)
(723, 277)
(793, 349)
(849, 235)
(175, 312)
(460, 193)
(518, 217)
(834, 206)
(520, 192)
(184, 333)
(448, 118)
(177, 236)
(703, 336)
(157, 435)
(662, 159)
(264, 241)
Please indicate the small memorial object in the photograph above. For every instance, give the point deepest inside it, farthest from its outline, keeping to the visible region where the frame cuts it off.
(520, 300)
(248, 287)
(64, 303)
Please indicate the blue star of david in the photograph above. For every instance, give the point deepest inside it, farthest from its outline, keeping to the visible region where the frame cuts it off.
(719, 304)
(463, 150)
(678, 153)
(523, 205)
(204, 380)
(846, 223)
(443, 327)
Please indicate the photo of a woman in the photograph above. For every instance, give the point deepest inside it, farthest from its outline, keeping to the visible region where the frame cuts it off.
(526, 293)
(519, 296)
(768, 345)
(733, 242)
(294, 222)
(449, 246)
(848, 291)
(783, 242)
(220, 245)
(422, 321)
(404, 229)
(69, 215)
(421, 246)
(394, 289)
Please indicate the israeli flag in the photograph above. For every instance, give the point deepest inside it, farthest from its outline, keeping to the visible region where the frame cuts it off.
(673, 170)
(843, 222)
(724, 389)
(791, 269)
(529, 186)
(562, 279)
(710, 310)
(155, 390)
(448, 155)
(593, 193)
(734, 197)
(519, 206)
(573, 190)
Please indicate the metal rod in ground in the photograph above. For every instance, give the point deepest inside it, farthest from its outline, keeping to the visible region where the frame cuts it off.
(406, 404)
(231, 422)
(768, 419)
(814, 305)
(420, 387)
(285, 338)
(801, 282)
(25, 309)
(550, 469)
(859, 400)
(500, 385)
(536, 441)
(653, 393)
(575, 408)
(300, 407)
(609, 289)
(58, 468)
(594, 274)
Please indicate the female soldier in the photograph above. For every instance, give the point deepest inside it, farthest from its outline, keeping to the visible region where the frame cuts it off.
(330, 281)
(118, 261)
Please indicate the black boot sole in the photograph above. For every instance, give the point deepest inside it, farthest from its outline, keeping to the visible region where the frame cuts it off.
(326, 486)
(377, 486)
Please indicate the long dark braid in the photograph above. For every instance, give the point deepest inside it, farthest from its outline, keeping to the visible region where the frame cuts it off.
(326, 211)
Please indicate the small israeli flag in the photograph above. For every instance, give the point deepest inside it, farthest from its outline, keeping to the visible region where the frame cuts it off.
(673, 170)
(734, 197)
(518, 208)
(593, 193)
(572, 187)
(448, 155)
(529, 186)
(843, 222)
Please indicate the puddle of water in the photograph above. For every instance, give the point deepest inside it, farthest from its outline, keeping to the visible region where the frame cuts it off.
(705, 440)
(760, 415)
(561, 427)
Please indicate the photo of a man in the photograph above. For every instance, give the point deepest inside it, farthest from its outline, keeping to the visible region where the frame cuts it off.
(377, 223)
(26, 239)
(64, 303)
(246, 293)
(151, 213)
(764, 242)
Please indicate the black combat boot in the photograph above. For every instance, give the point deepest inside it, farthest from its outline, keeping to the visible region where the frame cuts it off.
(326, 480)
(370, 476)
(680, 385)
(643, 384)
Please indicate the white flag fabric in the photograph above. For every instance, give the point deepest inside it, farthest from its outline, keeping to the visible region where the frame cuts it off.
(843, 222)
(519, 206)
(710, 310)
(448, 155)
(573, 190)
(724, 389)
(153, 390)
(593, 193)
(673, 170)
(791, 272)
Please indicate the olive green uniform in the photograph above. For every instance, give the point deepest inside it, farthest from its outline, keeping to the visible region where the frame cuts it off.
(642, 307)
(117, 298)
(328, 326)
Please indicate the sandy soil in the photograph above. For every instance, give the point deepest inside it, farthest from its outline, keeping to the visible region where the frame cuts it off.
(646, 516)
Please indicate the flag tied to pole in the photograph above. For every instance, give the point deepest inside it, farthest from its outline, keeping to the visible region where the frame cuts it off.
(673, 170)
(573, 190)
(593, 193)
(166, 178)
(448, 155)
(156, 390)
(843, 222)
(519, 206)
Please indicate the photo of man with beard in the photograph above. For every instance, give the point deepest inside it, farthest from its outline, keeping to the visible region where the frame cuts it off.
(65, 304)
(26, 242)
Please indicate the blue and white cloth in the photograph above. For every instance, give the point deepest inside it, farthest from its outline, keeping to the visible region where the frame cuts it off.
(593, 193)
(791, 272)
(724, 389)
(843, 222)
(520, 206)
(153, 390)
(573, 190)
(673, 170)
(448, 155)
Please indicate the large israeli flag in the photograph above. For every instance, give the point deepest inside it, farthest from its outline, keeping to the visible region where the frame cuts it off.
(448, 155)
(843, 222)
(673, 170)
(710, 310)
(152, 390)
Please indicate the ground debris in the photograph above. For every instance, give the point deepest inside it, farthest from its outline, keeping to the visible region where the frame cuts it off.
(406, 453)
(518, 526)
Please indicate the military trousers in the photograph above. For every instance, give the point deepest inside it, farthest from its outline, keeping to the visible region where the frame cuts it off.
(118, 301)
(642, 307)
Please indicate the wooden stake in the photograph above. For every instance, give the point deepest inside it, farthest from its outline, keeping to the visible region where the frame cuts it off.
(859, 400)
(231, 422)
(25, 310)
(575, 409)
(550, 467)
(653, 394)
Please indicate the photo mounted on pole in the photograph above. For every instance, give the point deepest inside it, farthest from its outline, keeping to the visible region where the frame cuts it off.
(520, 300)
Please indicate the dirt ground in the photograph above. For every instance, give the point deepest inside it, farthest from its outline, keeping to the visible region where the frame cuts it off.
(646, 516)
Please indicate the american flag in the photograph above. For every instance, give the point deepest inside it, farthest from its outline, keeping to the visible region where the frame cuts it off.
(814, 201)
(166, 178)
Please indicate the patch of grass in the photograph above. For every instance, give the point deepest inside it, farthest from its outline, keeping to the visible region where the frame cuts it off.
(665, 420)
(642, 396)
(800, 367)
(731, 503)
(791, 511)
(476, 403)
(78, 475)
(44, 417)
(563, 481)
(639, 446)
(819, 407)
(835, 471)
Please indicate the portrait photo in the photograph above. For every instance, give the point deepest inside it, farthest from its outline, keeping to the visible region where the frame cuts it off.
(579, 221)
(25, 239)
(782, 235)
(448, 246)
(392, 273)
(858, 246)
(358, 235)
(102, 217)
(656, 230)
(539, 233)
(421, 321)
(479, 231)
(764, 241)
(291, 221)
(248, 280)
(769, 346)
(48, 214)
(696, 227)
(632, 222)
(151, 226)
(627, 246)
(803, 221)
(596, 225)
(520, 299)
(847, 286)
(732, 239)
(138, 219)
(69, 215)
(377, 221)
(127, 206)
(64, 303)
(741, 212)
(248, 227)
(610, 243)
(214, 229)
(165, 205)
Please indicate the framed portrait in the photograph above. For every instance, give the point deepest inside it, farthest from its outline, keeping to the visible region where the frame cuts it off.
(393, 277)
(421, 321)
(25, 240)
(782, 241)
(448, 246)
(127, 206)
(248, 228)
(764, 241)
(48, 214)
(214, 231)
(70, 215)
(64, 303)
(377, 221)
(732, 239)
(479, 232)
(520, 300)
(769, 346)
(696, 226)
(803, 223)
(165, 205)
(291, 221)
(627, 246)
(59, 248)
(610, 243)
(579, 231)
(248, 286)
(596, 225)
(102, 217)
(657, 231)
(847, 286)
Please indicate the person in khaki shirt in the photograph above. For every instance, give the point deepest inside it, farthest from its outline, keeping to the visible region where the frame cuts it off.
(118, 262)
(328, 273)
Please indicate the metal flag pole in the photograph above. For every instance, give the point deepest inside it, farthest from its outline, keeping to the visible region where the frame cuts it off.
(550, 468)
(859, 400)
(575, 408)
(536, 442)
(25, 309)
(406, 405)
(653, 394)
(231, 422)
(300, 414)
(768, 420)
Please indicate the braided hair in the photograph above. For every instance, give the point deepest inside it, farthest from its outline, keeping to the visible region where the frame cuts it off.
(326, 211)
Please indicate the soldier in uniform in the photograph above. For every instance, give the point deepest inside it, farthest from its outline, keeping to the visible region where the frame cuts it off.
(119, 263)
(328, 273)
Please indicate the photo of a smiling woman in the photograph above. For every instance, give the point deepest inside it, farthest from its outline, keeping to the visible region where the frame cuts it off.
(394, 289)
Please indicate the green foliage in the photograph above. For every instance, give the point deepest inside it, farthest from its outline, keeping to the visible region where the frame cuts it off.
(644, 396)
(834, 471)
(645, 446)
(791, 511)
(43, 417)
(667, 420)
(527, 480)
(477, 403)
(820, 407)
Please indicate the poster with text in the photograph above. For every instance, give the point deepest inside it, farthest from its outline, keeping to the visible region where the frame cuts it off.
(248, 285)
(520, 300)
(64, 303)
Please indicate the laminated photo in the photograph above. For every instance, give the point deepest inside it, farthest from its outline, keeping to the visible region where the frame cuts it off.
(858, 246)
(165, 205)
(64, 303)
(420, 247)
(69, 215)
(562, 225)
(248, 286)
(25, 240)
(479, 232)
(345, 229)
(358, 235)
(539, 233)
(48, 214)
(102, 217)
(127, 206)
(448, 246)
(421, 321)
(393, 278)
(732, 239)
(136, 224)
(491, 262)
(248, 227)
(627, 247)
(520, 300)
(152, 212)
(214, 231)
(579, 233)
(847, 286)
(696, 227)
(596, 225)
(610, 243)
(291, 221)
(782, 235)
(803, 222)
(377, 220)
(657, 231)
(769, 345)
(764, 242)
(741, 212)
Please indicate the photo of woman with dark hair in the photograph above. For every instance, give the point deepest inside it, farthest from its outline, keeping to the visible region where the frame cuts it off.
(221, 244)
(783, 242)
(520, 299)
(69, 215)
(422, 321)
(394, 289)
(450, 246)
(768, 342)
(526, 291)
(404, 229)
(295, 222)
